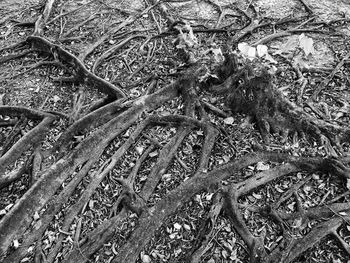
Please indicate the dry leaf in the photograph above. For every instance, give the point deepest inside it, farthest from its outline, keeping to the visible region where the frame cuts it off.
(166, 177)
(246, 50)
(229, 120)
(177, 226)
(208, 197)
(91, 204)
(139, 149)
(56, 99)
(36, 216)
(187, 227)
(291, 206)
(257, 196)
(146, 259)
(153, 154)
(218, 56)
(15, 243)
(260, 166)
(307, 44)
(348, 183)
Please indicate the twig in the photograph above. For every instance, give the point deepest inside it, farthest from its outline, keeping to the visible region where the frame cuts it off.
(325, 82)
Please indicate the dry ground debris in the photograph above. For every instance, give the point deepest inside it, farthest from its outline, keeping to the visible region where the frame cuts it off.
(174, 131)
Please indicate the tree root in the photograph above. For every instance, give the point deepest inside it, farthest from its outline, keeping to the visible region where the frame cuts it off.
(210, 223)
(253, 94)
(50, 181)
(28, 141)
(54, 206)
(81, 74)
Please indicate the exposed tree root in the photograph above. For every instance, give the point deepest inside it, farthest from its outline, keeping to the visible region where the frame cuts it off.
(252, 92)
(29, 141)
(211, 222)
(51, 180)
(81, 74)
(249, 89)
(54, 206)
(131, 19)
(14, 56)
(257, 252)
(113, 49)
(298, 246)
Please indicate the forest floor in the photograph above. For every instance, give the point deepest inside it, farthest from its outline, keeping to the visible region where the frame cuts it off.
(132, 45)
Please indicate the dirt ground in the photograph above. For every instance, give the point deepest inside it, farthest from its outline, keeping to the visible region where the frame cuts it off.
(127, 48)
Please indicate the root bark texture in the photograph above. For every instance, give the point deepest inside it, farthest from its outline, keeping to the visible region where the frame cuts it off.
(93, 147)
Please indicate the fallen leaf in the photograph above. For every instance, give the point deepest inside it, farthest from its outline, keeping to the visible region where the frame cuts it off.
(279, 189)
(208, 197)
(261, 50)
(229, 120)
(56, 99)
(91, 204)
(291, 206)
(226, 158)
(297, 222)
(233, 255)
(126, 134)
(227, 245)
(166, 177)
(199, 133)
(218, 56)
(307, 44)
(15, 243)
(177, 226)
(246, 50)
(260, 166)
(36, 216)
(146, 259)
(187, 227)
(348, 183)
(139, 149)
(153, 154)
(257, 196)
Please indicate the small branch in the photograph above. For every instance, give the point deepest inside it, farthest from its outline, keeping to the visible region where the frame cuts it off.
(307, 7)
(31, 139)
(300, 245)
(52, 209)
(14, 56)
(255, 245)
(43, 18)
(112, 50)
(326, 81)
(214, 109)
(214, 213)
(82, 74)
